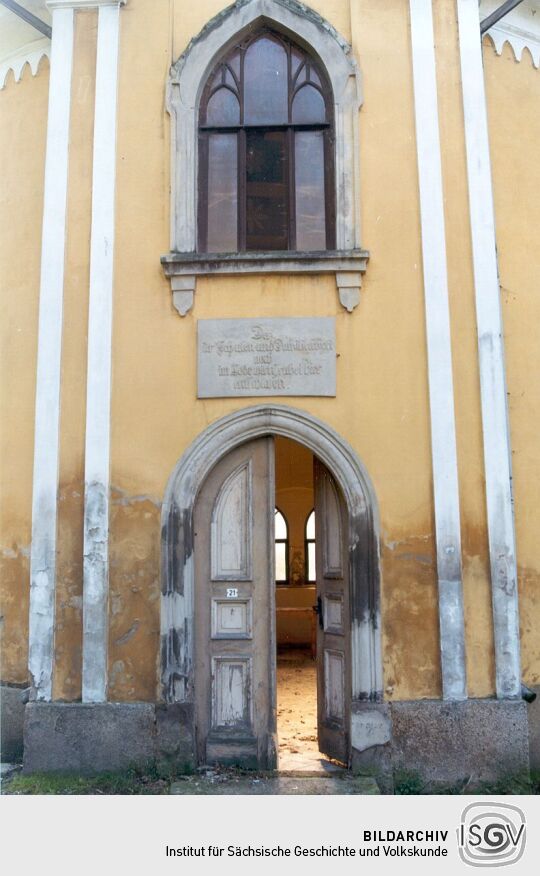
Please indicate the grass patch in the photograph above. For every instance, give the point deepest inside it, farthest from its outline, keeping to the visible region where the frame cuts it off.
(408, 782)
(512, 784)
(411, 783)
(129, 781)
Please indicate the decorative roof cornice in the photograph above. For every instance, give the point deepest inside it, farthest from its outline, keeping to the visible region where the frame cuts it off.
(520, 28)
(518, 38)
(30, 54)
(83, 4)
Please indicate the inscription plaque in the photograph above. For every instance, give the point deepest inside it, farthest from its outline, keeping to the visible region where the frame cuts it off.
(254, 357)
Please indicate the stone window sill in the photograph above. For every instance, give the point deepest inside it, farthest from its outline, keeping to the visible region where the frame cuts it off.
(183, 268)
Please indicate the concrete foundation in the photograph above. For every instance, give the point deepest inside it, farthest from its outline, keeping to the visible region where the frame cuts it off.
(92, 738)
(12, 705)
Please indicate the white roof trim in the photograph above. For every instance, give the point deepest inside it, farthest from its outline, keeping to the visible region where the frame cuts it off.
(520, 28)
(30, 54)
(518, 39)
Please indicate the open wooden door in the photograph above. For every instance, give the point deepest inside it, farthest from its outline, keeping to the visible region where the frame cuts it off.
(234, 610)
(333, 633)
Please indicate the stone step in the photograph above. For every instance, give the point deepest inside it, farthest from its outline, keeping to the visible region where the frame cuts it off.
(275, 785)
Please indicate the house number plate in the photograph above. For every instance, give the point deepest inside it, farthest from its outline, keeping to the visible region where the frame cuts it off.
(232, 592)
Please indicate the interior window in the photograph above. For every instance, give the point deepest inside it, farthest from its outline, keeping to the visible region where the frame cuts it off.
(281, 535)
(311, 573)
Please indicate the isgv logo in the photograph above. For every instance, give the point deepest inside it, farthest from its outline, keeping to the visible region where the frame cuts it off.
(491, 834)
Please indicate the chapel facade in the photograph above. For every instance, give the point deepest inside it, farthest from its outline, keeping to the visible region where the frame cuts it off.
(271, 384)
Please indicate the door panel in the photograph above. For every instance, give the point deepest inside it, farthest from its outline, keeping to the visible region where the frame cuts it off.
(333, 635)
(334, 686)
(234, 610)
(231, 693)
(232, 527)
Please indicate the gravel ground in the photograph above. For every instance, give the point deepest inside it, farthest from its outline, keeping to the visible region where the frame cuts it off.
(297, 704)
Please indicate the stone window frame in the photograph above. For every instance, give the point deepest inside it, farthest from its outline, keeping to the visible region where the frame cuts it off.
(183, 264)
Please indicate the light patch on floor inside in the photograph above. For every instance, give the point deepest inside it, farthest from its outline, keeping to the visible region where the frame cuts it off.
(297, 713)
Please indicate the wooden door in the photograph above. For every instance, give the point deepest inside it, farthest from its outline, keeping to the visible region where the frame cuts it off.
(234, 610)
(333, 631)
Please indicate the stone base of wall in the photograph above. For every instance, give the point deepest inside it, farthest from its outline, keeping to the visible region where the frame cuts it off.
(91, 738)
(12, 705)
(445, 744)
(442, 744)
(533, 710)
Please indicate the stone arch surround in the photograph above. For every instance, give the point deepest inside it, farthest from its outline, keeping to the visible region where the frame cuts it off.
(178, 583)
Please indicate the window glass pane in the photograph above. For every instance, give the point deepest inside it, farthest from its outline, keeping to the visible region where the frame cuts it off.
(229, 79)
(312, 574)
(301, 76)
(310, 526)
(308, 106)
(266, 191)
(280, 525)
(234, 61)
(310, 195)
(216, 78)
(222, 193)
(266, 85)
(281, 566)
(314, 76)
(223, 108)
(296, 59)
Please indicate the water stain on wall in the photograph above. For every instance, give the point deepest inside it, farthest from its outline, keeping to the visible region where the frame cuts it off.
(69, 592)
(14, 600)
(410, 619)
(134, 601)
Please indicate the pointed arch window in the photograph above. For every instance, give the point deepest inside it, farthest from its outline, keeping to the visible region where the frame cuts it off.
(281, 536)
(266, 150)
(311, 572)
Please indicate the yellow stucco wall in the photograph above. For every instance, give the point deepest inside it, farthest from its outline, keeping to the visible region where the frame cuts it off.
(381, 407)
(23, 122)
(474, 545)
(512, 89)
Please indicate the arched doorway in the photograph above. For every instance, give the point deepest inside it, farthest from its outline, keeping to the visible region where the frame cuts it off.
(179, 610)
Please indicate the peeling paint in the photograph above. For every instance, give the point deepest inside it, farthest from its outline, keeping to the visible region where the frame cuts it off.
(128, 635)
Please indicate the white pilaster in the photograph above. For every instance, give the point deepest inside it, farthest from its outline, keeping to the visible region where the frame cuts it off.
(491, 358)
(47, 423)
(441, 390)
(98, 393)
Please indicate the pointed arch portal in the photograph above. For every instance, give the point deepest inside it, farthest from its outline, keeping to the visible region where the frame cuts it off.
(178, 580)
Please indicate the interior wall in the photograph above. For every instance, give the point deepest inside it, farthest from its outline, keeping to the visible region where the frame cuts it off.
(294, 498)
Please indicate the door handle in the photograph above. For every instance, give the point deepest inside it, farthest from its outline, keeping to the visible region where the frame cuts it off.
(318, 609)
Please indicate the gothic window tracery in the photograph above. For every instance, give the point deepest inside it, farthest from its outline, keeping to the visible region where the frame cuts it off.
(266, 150)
